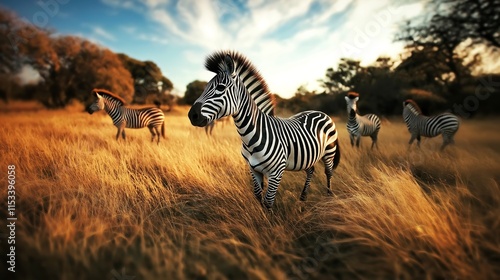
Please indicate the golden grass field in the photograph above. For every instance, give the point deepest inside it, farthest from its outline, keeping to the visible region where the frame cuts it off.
(91, 207)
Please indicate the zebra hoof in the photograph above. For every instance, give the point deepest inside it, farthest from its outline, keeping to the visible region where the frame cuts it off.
(329, 192)
(303, 197)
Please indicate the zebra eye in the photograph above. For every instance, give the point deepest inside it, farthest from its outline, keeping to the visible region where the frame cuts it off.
(220, 87)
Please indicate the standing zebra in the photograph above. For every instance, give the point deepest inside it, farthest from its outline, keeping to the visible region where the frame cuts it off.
(124, 117)
(270, 145)
(418, 125)
(357, 125)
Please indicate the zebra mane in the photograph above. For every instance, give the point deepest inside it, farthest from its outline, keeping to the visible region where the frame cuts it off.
(110, 94)
(249, 75)
(414, 105)
(352, 95)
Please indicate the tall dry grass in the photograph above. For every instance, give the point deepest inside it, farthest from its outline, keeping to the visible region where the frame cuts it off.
(90, 207)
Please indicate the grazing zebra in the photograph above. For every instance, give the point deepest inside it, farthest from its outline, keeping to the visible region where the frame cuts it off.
(124, 117)
(357, 126)
(270, 145)
(418, 125)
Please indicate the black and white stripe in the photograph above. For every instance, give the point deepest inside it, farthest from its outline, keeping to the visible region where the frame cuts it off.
(124, 117)
(357, 125)
(271, 145)
(419, 125)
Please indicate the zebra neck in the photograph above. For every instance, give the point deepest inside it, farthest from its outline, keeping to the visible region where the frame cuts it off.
(112, 109)
(247, 118)
(352, 116)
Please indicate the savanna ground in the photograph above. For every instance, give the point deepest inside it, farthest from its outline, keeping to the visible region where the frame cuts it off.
(89, 207)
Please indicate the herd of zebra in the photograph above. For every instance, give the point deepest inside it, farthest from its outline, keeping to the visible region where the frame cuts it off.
(270, 144)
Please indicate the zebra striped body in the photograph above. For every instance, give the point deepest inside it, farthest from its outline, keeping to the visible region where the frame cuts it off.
(419, 125)
(124, 117)
(270, 145)
(358, 126)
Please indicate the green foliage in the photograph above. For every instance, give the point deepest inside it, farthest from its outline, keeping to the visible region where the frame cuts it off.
(148, 79)
(193, 91)
(70, 67)
(342, 78)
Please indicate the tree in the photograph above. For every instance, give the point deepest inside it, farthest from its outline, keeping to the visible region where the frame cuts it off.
(9, 53)
(193, 91)
(478, 20)
(69, 66)
(81, 66)
(454, 24)
(148, 79)
(341, 79)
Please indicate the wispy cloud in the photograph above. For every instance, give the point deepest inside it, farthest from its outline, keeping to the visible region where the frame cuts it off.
(139, 34)
(101, 33)
(292, 42)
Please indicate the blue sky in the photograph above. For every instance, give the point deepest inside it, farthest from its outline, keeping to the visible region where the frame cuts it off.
(292, 42)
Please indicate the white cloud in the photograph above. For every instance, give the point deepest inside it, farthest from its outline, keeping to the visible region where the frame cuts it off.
(153, 38)
(98, 31)
(311, 43)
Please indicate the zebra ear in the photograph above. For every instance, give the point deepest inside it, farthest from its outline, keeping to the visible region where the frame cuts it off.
(228, 65)
(98, 95)
(356, 99)
(346, 98)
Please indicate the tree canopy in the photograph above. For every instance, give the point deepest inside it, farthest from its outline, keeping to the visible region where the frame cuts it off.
(193, 91)
(148, 78)
(69, 67)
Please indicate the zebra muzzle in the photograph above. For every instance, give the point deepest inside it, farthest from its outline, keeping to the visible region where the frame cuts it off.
(195, 116)
(89, 110)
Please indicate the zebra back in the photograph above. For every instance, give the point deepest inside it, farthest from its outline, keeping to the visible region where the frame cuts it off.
(139, 118)
(428, 126)
(111, 96)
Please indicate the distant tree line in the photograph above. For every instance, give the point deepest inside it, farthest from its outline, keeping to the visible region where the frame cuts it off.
(436, 68)
(69, 67)
(440, 68)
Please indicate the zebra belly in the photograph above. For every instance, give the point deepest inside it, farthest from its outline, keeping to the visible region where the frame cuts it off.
(302, 156)
(262, 161)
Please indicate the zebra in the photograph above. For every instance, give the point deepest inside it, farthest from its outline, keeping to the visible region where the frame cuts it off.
(270, 145)
(210, 127)
(124, 117)
(418, 125)
(357, 125)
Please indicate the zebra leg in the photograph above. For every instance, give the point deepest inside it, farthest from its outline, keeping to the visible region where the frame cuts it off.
(352, 139)
(447, 139)
(309, 171)
(272, 187)
(374, 139)
(151, 129)
(412, 138)
(157, 134)
(418, 141)
(258, 184)
(328, 161)
(121, 131)
(358, 139)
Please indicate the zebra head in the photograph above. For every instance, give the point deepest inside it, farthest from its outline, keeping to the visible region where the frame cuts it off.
(219, 99)
(352, 102)
(97, 105)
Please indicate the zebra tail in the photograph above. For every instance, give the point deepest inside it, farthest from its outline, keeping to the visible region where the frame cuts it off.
(163, 129)
(336, 159)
